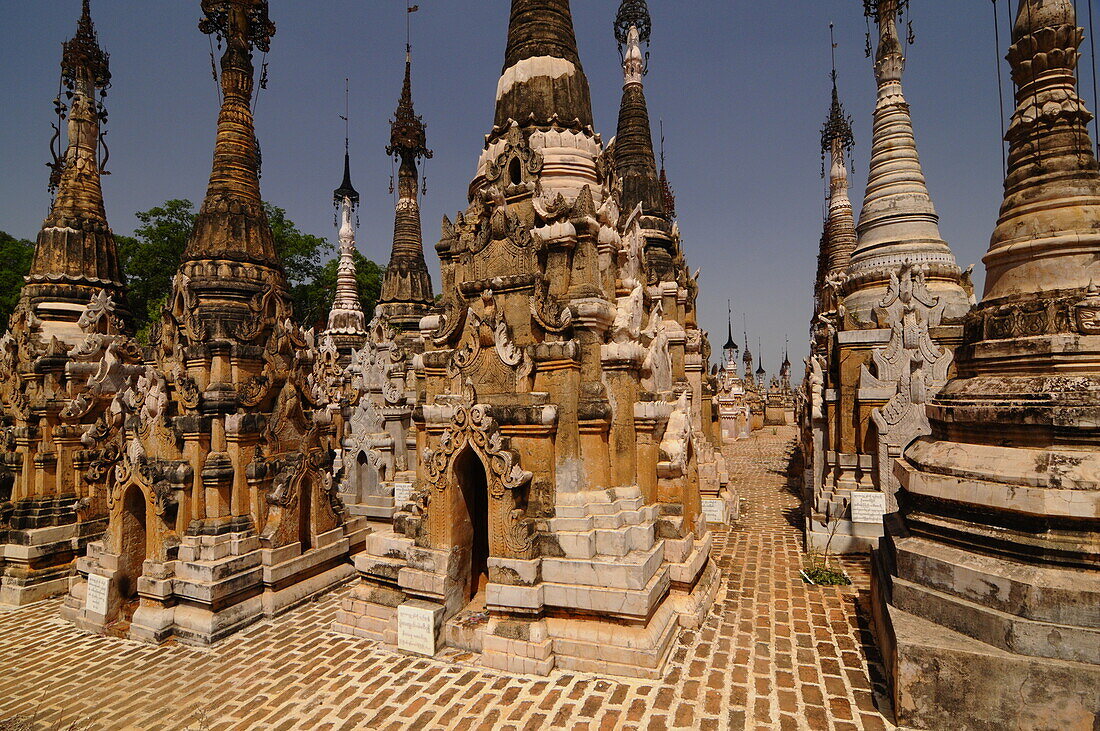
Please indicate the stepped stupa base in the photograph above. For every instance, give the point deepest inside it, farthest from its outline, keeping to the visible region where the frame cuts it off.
(973, 640)
(612, 603)
(39, 563)
(216, 586)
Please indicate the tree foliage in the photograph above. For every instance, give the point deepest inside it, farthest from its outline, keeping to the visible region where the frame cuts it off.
(151, 257)
(368, 276)
(15, 263)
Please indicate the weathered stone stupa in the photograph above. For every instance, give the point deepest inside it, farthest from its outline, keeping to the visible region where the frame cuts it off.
(378, 463)
(221, 501)
(987, 584)
(407, 287)
(347, 325)
(734, 418)
(898, 313)
(71, 315)
(555, 517)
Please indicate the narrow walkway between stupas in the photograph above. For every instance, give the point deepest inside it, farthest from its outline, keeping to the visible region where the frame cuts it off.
(773, 654)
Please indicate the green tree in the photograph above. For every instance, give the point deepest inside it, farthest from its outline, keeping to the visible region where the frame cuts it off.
(368, 276)
(151, 257)
(15, 263)
(303, 257)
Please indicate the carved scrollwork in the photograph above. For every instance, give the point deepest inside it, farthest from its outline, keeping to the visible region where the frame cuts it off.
(262, 312)
(543, 314)
(516, 147)
(188, 390)
(471, 425)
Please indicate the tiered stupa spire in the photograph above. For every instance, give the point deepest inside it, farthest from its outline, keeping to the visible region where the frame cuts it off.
(231, 225)
(1000, 500)
(542, 80)
(407, 285)
(837, 141)
(898, 222)
(1051, 165)
(75, 255)
(346, 322)
(635, 161)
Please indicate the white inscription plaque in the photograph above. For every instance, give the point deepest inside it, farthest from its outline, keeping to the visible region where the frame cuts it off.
(868, 507)
(714, 509)
(402, 493)
(416, 628)
(98, 587)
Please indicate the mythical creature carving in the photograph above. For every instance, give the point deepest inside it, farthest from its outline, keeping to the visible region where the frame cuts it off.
(658, 361)
(911, 367)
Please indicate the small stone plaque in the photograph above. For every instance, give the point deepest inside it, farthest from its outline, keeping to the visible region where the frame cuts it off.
(98, 588)
(715, 510)
(868, 507)
(402, 493)
(416, 627)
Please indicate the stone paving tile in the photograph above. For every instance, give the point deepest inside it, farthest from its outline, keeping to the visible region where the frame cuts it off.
(773, 654)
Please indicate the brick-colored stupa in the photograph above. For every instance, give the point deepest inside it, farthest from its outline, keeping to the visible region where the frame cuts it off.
(221, 501)
(555, 518)
(65, 355)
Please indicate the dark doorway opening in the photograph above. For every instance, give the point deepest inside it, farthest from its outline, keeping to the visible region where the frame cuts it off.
(133, 549)
(473, 527)
(305, 511)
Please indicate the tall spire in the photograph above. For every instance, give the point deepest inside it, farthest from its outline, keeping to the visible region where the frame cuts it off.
(898, 221)
(542, 79)
(731, 345)
(837, 141)
(75, 255)
(635, 162)
(1051, 165)
(346, 321)
(231, 224)
(407, 285)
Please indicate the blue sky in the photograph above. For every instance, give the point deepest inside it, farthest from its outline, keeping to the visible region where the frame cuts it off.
(743, 89)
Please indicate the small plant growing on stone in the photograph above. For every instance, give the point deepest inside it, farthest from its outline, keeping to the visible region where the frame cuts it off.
(820, 572)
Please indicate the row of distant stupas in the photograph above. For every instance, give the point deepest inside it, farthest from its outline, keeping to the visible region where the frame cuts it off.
(977, 425)
(515, 468)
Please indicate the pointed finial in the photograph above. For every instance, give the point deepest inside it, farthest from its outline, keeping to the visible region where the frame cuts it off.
(838, 126)
(346, 189)
(633, 14)
(730, 345)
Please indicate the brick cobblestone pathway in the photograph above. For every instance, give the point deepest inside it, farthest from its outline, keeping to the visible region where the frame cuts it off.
(773, 654)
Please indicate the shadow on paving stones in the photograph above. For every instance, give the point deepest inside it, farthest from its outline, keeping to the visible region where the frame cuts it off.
(876, 673)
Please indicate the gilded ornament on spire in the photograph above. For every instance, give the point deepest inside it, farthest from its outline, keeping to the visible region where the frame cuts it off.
(837, 128)
(633, 14)
(83, 55)
(408, 133)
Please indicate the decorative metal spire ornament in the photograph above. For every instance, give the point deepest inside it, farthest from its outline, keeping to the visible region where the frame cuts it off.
(633, 14)
(346, 322)
(838, 127)
(730, 347)
(407, 284)
(85, 70)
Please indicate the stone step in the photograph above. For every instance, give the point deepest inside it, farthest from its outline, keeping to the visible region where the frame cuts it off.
(606, 542)
(217, 570)
(1060, 596)
(631, 571)
(622, 518)
(1002, 630)
(388, 545)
